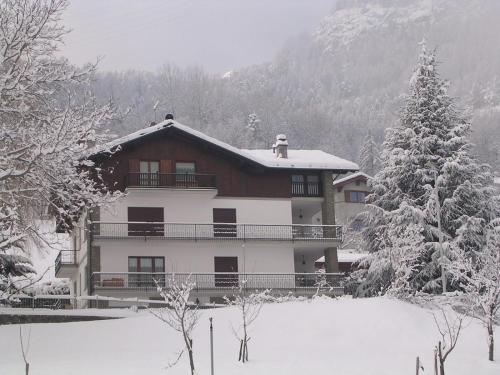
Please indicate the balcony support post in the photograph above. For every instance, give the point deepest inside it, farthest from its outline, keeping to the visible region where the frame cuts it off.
(328, 213)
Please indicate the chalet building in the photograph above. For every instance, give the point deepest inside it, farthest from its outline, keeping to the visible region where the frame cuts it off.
(197, 207)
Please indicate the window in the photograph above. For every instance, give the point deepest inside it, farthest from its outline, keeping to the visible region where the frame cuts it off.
(226, 264)
(145, 215)
(185, 174)
(355, 196)
(225, 216)
(149, 173)
(185, 167)
(146, 267)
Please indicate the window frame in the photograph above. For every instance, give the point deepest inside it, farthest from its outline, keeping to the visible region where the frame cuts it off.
(357, 194)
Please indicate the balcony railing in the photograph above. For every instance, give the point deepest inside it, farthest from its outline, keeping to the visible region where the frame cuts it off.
(220, 281)
(65, 258)
(216, 231)
(171, 180)
(306, 189)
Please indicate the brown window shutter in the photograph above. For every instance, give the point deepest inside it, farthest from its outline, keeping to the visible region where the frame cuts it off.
(166, 166)
(134, 165)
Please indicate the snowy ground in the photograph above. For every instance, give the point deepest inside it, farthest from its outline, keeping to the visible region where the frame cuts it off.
(344, 336)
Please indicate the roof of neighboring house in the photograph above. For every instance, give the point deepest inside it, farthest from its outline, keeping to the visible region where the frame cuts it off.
(351, 177)
(297, 159)
(346, 256)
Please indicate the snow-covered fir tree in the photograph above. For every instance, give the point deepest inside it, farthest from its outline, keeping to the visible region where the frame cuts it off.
(48, 124)
(254, 131)
(427, 166)
(369, 157)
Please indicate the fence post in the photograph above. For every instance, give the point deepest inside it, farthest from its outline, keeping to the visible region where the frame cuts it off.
(211, 348)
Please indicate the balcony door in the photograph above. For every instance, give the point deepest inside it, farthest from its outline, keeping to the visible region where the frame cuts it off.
(149, 173)
(226, 264)
(185, 174)
(148, 269)
(224, 215)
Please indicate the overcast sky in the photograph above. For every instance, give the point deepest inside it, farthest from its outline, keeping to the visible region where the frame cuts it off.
(219, 35)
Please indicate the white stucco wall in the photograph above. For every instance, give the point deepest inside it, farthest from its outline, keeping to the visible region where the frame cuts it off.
(191, 256)
(181, 206)
(346, 211)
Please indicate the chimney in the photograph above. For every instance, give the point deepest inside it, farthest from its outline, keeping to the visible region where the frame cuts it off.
(280, 148)
(169, 116)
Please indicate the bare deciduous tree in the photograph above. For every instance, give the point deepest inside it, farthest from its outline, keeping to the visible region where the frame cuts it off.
(49, 123)
(479, 275)
(180, 314)
(449, 326)
(249, 306)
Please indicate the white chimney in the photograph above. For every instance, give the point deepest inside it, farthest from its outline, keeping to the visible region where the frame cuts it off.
(280, 148)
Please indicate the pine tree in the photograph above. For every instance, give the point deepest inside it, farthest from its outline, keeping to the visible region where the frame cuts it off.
(428, 166)
(254, 131)
(369, 158)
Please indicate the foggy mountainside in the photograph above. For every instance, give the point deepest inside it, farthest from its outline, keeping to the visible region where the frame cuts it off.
(349, 77)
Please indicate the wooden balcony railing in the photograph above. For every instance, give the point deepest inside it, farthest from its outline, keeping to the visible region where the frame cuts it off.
(306, 189)
(216, 231)
(171, 180)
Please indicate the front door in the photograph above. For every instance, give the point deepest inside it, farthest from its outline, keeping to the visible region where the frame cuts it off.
(226, 264)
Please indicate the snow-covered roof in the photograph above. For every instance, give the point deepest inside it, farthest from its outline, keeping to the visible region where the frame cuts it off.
(299, 159)
(346, 256)
(351, 177)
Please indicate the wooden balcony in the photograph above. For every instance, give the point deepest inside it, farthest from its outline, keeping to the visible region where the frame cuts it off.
(307, 189)
(171, 180)
(217, 231)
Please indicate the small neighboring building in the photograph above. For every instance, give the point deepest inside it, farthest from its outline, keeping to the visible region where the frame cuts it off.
(350, 193)
(346, 259)
(496, 181)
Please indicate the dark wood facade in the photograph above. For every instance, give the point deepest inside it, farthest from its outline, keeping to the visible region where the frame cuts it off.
(235, 175)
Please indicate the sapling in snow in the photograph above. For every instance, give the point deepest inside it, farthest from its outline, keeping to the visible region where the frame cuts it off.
(449, 325)
(180, 314)
(249, 306)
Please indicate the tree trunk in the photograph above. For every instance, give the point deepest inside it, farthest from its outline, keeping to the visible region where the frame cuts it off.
(441, 360)
(27, 368)
(191, 360)
(241, 350)
(435, 362)
(491, 341)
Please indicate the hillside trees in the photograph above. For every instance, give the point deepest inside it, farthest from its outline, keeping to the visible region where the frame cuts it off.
(428, 169)
(48, 123)
(369, 158)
